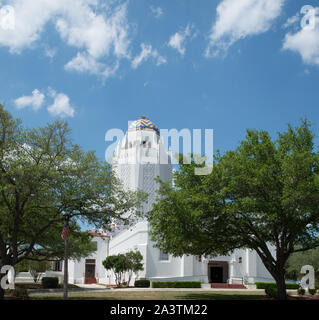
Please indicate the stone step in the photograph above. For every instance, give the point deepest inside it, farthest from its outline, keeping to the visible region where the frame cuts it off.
(227, 286)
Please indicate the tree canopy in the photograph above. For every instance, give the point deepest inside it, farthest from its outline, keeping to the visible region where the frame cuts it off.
(44, 175)
(262, 195)
(124, 264)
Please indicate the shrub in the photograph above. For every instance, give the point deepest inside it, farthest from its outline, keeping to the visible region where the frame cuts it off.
(271, 292)
(312, 291)
(50, 282)
(266, 285)
(301, 291)
(142, 283)
(20, 293)
(176, 284)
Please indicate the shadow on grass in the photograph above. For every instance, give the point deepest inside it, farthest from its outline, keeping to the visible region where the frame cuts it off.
(74, 298)
(219, 296)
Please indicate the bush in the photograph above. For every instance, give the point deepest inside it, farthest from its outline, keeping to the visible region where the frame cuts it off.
(20, 293)
(176, 284)
(142, 283)
(271, 292)
(266, 285)
(301, 291)
(50, 282)
(312, 291)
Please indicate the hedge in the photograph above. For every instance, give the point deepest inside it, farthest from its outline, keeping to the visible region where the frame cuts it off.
(267, 285)
(142, 283)
(271, 292)
(50, 282)
(176, 284)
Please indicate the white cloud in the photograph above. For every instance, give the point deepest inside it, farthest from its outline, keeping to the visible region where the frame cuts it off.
(100, 30)
(35, 101)
(159, 59)
(305, 41)
(147, 52)
(177, 40)
(95, 33)
(292, 21)
(61, 105)
(50, 52)
(157, 11)
(84, 62)
(239, 19)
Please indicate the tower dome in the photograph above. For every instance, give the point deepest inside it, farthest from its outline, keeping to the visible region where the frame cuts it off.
(143, 123)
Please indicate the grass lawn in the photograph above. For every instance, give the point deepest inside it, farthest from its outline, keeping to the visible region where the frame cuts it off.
(38, 285)
(156, 295)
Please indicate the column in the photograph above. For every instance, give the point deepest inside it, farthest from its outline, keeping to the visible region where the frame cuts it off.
(231, 269)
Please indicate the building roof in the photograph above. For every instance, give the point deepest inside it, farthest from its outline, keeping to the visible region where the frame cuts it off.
(98, 234)
(143, 123)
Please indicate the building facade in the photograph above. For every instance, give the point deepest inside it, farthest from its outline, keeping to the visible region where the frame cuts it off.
(138, 159)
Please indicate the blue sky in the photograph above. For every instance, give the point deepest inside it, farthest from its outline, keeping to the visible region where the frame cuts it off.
(226, 65)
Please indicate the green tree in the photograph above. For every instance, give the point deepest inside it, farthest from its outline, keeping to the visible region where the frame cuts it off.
(263, 193)
(118, 264)
(135, 264)
(124, 264)
(43, 175)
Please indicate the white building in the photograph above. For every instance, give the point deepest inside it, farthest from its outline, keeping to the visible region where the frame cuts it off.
(138, 159)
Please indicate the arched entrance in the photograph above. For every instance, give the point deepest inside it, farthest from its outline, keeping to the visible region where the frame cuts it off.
(217, 271)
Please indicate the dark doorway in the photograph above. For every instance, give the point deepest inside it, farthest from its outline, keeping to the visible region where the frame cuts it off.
(90, 271)
(216, 274)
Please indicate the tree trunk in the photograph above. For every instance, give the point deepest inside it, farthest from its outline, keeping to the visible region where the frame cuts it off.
(281, 286)
(1, 290)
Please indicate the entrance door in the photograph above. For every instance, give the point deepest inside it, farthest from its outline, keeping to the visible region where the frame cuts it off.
(90, 271)
(216, 274)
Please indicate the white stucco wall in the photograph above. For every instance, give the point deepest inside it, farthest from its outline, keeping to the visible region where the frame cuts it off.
(77, 267)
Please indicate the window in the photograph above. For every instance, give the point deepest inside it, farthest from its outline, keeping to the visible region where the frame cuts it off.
(163, 256)
(57, 265)
(89, 261)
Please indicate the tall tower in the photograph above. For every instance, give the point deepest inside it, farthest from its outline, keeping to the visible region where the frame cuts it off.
(140, 157)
